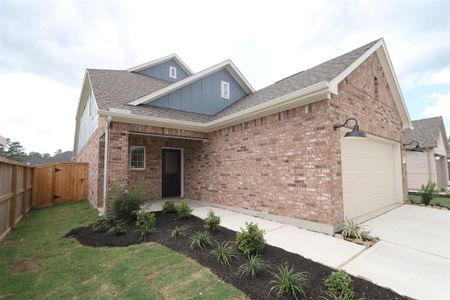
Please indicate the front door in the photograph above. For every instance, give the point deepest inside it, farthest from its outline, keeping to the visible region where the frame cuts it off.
(171, 173)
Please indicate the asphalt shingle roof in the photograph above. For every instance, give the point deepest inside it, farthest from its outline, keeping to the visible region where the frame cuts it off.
(63, 157)
(116, 88)
(426, 132)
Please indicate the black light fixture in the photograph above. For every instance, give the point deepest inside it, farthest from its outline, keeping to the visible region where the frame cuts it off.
(415, 149)
(355, 133)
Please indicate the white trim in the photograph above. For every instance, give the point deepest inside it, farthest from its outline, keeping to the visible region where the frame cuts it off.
(381, 50)
(145, 157)
(173, 72)
(228, 64)
(313, 93)
(225, 89)
(182, 168)
(161, 60)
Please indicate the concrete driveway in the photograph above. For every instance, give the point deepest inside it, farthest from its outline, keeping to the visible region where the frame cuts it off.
(413, 256)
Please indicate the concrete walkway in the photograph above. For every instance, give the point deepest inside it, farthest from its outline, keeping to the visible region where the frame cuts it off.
(412, 258)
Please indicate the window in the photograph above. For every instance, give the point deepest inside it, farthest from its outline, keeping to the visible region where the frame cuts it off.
(173, 72)
(137, 157)
(225, 89)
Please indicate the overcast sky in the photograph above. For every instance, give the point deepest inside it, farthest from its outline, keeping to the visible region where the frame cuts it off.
(46, 45)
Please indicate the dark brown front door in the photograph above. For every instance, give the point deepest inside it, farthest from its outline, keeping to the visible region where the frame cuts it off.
(171, 173)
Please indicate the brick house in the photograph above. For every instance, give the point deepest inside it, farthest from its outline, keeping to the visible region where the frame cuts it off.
(274, 153)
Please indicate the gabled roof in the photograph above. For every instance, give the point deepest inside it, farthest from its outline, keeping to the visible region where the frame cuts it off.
(426, 132)
(63, 157)
(228, 65)
(116, 89)
(161, 60)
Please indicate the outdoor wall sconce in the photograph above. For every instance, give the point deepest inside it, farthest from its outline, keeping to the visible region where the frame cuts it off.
(355, 133)
(437, 157)
(417, 148)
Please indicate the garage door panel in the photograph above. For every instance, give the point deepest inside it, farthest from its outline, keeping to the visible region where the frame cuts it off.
(368, 175)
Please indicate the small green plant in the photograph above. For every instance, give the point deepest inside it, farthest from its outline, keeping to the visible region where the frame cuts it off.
(127, 203)
(254, 266)
(366, 236)
(184, 210)
(288, 282)
(118, 229)
(101, 226)
(200, 240)
(224, 252)
(180, 231)
(145, 222)
(427, 192)
(339, 285)
(251, 240)
(169, 207)
(211, 222)
(351, 230)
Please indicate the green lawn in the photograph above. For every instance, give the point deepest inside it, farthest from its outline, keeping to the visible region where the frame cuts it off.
(445, 202)
(37, 262)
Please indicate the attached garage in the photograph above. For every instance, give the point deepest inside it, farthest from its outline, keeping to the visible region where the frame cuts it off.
(371, 175)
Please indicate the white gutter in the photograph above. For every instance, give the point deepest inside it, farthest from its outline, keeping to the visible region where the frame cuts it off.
(307, 95)
(105, 164)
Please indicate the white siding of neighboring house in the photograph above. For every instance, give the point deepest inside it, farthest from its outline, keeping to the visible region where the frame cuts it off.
(88, 122)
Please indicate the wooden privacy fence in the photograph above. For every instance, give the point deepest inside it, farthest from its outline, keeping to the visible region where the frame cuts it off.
(23, 187)
(15, 193)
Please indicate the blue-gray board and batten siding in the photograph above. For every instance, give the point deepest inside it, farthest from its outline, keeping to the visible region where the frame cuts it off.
(161, 71)
(203, 95)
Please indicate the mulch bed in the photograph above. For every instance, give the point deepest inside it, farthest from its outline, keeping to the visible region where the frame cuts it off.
(256, 288)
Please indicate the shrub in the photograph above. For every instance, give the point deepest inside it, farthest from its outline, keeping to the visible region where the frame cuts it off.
(127, 203)
(427, 192)
(287, 282)
(118, 229)
(339, 285)
(200, 240)
(184, 210)
(366, 236)
(251, 240)
(169, 207)
(145, 221)
(351, 230)
(178, 232)
(254, 265)
(101, 226)
(211, 223)
(224, 252)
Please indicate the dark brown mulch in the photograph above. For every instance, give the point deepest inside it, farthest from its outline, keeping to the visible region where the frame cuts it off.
(256, 288)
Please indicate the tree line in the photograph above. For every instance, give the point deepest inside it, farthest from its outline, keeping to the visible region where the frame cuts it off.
(15, 151)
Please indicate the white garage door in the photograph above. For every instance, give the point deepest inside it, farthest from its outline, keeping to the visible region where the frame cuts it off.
(371, 175)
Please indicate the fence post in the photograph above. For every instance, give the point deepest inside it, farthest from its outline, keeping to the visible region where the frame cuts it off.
(25, 190)
(12, 203)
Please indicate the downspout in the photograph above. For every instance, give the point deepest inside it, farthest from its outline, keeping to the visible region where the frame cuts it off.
(105, 164)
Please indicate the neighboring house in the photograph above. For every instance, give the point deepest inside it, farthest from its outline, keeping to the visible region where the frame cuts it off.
(59, 158)
(2, 141)
(430, 165)
(274, 152)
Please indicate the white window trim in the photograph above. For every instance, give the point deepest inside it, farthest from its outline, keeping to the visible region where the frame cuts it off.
(224, 86)
(145, 157)
(172, 72)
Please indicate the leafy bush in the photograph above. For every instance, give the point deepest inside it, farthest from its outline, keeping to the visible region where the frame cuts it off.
(224, 252)
(169, 207)
(211, 223)
(184, 210)
(339, 285)
(118, 229)
(427, 192)
(145, 221)
(127, 203)
(102, 225)
(288, 282)
(254, 265)
(178, 232)
(200, 240)
(251, 240)
(353, 230)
